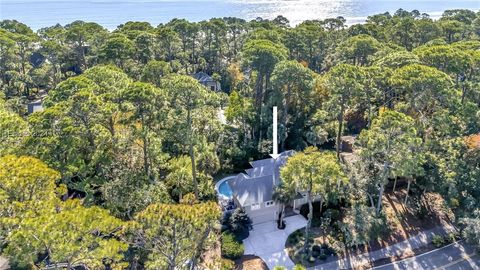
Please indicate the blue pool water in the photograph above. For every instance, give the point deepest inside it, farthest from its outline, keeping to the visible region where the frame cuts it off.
(224, 189)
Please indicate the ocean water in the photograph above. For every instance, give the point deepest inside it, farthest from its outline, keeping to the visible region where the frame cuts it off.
(111, 13)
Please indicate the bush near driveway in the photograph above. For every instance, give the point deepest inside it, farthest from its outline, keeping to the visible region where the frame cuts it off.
(231, 247)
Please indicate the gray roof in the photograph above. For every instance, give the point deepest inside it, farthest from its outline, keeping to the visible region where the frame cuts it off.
(252, 190)
(257, 185)
(203, 77)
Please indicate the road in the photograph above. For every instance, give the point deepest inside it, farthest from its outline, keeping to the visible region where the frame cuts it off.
(457, 256)
(3, 263)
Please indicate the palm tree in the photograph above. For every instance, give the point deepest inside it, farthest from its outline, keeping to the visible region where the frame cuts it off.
(283, 196)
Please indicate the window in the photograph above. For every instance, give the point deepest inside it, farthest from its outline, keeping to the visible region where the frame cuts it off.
(212, 87)
(255, 206)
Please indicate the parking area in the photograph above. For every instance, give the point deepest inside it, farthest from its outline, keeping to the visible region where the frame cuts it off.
(268, 242)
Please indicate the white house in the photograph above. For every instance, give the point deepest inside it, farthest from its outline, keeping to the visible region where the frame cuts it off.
(35, 106)
(253, 190)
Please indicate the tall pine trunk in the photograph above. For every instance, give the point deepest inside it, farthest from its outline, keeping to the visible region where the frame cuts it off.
(340, 129)
(192, 154)
(408, 190)
(286, 102)
(282, 214)
(382, 187)
(258, 105)
(198, 250)
(321, 205)
(309, 221)
(379, 203)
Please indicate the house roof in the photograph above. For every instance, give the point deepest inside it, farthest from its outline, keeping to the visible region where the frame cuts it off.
(257, 185)
(203, 77)
(37, 59)
(249, 191)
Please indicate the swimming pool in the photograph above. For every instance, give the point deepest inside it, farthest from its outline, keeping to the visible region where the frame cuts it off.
(223, 189)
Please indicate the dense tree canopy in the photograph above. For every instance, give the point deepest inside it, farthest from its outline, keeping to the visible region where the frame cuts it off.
(118, 168)
(174, 234)
(34, 220)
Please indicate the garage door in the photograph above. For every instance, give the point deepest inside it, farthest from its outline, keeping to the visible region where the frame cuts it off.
(263, 215)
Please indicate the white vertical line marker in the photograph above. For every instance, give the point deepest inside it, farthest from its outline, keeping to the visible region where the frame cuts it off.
(275, 134)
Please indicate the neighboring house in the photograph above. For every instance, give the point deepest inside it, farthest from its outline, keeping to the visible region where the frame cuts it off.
(253, 190)
(35, 106)
(37, 59)
(206, 80)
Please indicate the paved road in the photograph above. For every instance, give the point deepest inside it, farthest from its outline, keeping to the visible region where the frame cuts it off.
(458, 256)
(398, 249)
(3, 263)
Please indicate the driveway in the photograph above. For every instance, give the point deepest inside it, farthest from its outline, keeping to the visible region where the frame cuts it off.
(3, 263)
(268, 242)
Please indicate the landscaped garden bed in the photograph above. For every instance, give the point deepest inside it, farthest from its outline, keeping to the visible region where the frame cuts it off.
(248, 262)
(330, 240)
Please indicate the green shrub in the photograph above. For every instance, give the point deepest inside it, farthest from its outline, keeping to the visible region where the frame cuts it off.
(327, 250)
(454, 203)
(291, 240)
(231, 247)
(240, 223)
(450, 238)
(316, 222)
(420, 210)
(225, 221)
(305, 257)
(333, 214)
(298, 267)
(437, 241)
(295, 237)
(227, 264)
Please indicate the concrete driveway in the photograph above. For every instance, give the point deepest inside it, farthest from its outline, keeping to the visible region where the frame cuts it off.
(3, 263)
(268, 242)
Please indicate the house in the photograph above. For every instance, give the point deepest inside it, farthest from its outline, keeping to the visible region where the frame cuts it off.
(253, 190)
(207, 81)
(35, 106)
(37, 59)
